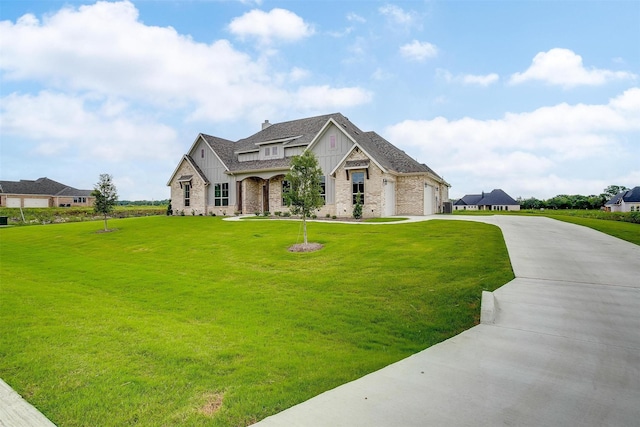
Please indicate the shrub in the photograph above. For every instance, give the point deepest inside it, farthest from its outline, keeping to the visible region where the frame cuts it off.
(327, 216)
(286, 214)
(277, 213)
(357, 209)
(266, 213)
(257, 213)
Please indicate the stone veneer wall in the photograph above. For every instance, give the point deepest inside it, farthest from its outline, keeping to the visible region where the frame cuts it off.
(252, 195)
(373, 191)
(275, 195)
(196, 195)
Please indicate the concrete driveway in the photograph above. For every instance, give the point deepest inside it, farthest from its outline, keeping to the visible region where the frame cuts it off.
(557, 346)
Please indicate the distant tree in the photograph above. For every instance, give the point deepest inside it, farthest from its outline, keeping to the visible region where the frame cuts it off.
(303, 195)
(613, 190)
(106, 197)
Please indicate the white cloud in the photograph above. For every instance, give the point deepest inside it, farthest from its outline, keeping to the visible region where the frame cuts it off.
(317, 97)
(59, 124)
(480, 80)
(469, 79)
(524, 150)
(267, 27)
(418, 51)
(563, 67)
(397, 15)
(354, 17)
(104, 49)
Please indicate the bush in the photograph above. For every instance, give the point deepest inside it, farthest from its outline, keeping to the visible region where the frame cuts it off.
(286, 214)
(266, 213)
(357, 209)
(277, 213)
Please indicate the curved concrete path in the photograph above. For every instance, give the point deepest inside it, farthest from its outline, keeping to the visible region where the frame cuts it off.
(557, 346)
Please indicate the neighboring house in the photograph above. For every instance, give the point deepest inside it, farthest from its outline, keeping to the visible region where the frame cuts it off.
(497, 200)
(42, 193)
(218, 176)
(625, 201)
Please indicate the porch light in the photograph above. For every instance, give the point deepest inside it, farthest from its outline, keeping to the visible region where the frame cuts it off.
(384, 181)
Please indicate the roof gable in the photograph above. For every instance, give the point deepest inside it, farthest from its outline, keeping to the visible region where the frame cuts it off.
(497, 197)
(41, 186)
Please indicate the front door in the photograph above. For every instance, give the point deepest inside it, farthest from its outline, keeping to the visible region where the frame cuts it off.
(265, 196)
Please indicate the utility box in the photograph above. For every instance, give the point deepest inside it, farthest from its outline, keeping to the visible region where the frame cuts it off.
(4, 220)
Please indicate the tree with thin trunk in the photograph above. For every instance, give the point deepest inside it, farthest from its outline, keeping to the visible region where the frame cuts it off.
(303, 195)
(106, 197)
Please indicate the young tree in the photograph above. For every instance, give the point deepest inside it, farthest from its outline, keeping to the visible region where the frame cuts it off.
(106, 197)
(303, 195)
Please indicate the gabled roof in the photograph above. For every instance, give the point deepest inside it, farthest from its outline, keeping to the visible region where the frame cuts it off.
(628, 196)
(41, 186)
(469, 199)
(496, 197)
(303, 132)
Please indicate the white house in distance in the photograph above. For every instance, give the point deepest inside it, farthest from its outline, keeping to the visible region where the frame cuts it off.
(625, 201)
(497, 200)
(222, 177)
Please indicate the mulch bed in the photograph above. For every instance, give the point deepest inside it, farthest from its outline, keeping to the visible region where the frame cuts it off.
(309, 247)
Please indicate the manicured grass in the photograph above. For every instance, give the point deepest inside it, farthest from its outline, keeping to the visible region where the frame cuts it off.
(394, 219)
(622, 230)
(160, 321)
(613, 223)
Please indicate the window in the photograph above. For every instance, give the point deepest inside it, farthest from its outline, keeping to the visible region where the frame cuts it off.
(202, 153)
(286, 185)
(323, 189)
(357, 186)
(274, 151)
(187, 194)
(332, 142)
(221, 196)
(267, 151)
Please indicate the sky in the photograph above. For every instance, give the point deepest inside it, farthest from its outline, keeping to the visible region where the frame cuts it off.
(538, 98)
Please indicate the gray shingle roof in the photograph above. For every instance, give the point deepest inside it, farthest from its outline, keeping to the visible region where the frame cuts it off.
(304, 131)
(496, 197)
(41, 186)
(469, 199)
(628, 196)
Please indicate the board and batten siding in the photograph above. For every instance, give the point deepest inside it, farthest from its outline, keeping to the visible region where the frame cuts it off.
(329, 155)
(214, 170)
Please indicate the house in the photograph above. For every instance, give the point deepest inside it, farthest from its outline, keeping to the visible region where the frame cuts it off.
(220, 177)
(497, 200)
(42, 193)
(625, 201)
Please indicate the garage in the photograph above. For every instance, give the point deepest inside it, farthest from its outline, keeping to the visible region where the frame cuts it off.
(36, 203)
(13, 202)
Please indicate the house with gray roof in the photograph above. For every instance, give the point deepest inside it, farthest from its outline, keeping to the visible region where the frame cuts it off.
(625, 201)
(219, 176)
(496, 200)
(42, 193)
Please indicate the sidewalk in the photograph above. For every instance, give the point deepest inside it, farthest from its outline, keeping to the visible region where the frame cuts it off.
(17, 412)
(559, 345)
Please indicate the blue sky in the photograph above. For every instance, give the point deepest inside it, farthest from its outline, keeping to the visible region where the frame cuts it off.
(538, 98)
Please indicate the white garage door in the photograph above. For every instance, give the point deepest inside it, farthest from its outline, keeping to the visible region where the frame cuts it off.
(36, 203)
(428, 200)
(13, 202)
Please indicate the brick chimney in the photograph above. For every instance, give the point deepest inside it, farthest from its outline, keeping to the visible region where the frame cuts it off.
(266, 124)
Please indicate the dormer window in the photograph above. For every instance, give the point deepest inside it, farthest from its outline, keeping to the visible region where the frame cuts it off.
(267, 151)
(274, 151)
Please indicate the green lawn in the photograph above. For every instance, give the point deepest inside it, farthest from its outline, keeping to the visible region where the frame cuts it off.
(162, 320)
(606, 222)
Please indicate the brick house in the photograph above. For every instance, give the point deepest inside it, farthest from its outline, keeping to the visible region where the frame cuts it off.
(42, 193)
(496, 200)
(218, 176)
